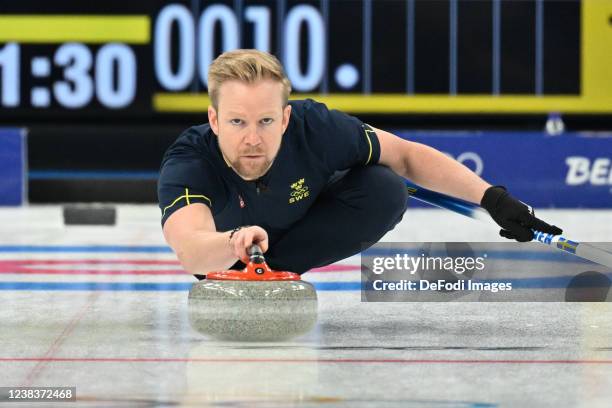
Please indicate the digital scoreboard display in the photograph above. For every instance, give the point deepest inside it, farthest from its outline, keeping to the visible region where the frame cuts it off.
(66, 59)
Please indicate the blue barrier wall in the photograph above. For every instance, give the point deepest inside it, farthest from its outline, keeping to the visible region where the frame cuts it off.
(571, 170)
(13, 166)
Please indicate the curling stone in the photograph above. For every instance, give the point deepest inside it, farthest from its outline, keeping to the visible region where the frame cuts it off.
(254, 304)
(589, 286)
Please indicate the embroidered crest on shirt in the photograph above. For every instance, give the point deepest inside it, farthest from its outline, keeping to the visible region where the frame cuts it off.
(299, 190)
(242, 204)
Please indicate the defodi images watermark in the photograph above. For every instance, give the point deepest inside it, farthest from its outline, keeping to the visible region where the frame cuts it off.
(490, 272)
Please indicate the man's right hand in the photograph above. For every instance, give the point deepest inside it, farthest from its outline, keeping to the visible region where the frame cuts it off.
(245, 237)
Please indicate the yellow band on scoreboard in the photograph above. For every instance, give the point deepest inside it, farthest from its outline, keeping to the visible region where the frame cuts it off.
(596, 61)
(93, 29)
(399, 103)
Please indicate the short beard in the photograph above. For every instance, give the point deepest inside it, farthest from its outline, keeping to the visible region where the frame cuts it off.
(249, 172)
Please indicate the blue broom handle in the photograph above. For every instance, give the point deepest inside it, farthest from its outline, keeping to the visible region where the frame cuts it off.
(474, 211)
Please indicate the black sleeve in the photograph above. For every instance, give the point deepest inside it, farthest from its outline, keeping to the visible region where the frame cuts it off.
(342, 141)
(186, 178)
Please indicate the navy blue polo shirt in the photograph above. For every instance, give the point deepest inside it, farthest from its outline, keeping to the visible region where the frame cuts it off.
(317, 143)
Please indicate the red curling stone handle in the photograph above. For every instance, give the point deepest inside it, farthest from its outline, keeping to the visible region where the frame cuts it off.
(256, 270)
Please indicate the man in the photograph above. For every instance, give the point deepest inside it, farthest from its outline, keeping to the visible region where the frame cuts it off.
(308, 184)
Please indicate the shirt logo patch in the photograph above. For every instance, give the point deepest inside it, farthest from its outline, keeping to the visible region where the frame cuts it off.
(242, 204)
(298, 191)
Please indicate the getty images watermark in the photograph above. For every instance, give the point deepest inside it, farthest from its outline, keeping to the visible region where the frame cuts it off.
(412, 264)
(492, 272)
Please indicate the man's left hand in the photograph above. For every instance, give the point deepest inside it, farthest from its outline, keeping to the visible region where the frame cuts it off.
(516, 219)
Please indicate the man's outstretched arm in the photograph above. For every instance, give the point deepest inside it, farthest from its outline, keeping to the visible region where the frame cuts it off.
(434, 170)
(190, 232)
(430, 168)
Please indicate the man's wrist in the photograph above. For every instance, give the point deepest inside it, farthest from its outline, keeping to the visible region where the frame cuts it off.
(235, 230)
(491, 197)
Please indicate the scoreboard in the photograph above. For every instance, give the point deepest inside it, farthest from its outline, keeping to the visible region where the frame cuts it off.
(119, 59)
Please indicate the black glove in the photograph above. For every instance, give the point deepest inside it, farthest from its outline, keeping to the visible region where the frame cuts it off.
(516, 219)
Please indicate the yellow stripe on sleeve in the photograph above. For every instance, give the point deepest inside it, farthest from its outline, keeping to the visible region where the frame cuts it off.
(367, 135)
(186, 196)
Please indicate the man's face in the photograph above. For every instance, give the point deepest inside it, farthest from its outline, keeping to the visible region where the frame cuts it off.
(250, 122)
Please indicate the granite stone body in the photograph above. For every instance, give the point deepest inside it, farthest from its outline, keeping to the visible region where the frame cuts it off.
(252, 310)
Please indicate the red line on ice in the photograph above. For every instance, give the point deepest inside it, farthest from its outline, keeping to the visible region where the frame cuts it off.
(55, 346)
(272, 360)
(36, 266)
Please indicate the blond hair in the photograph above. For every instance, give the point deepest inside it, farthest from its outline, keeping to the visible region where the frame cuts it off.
(247, 66)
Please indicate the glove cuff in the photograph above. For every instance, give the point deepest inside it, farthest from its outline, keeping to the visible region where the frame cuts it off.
(491, 197)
